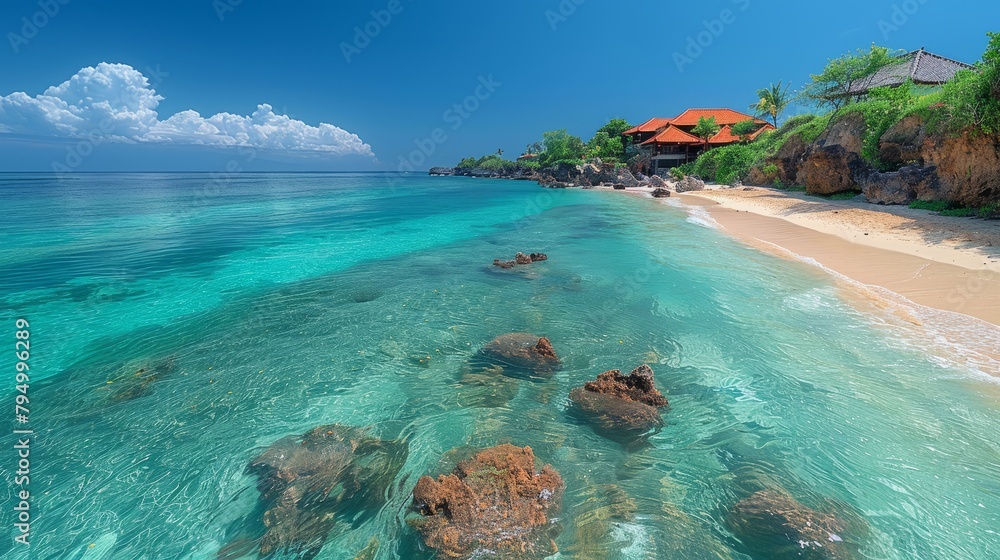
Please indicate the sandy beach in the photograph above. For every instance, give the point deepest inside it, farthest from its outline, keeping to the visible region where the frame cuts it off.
(948, 263)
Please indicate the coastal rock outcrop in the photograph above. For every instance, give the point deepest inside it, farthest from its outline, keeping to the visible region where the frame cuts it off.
(773, 524)
(690, 183)
(657, 182)
(661, 193)
(521, 351)
(789, 160)
(902, 187)
(903, 143)
(619, 404)
(833, 164)
(832, 169)
(968, 168)
(306, 482)
(495, 504)
(442, 171)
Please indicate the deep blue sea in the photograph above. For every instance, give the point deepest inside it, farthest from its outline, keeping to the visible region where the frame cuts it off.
(285, 302)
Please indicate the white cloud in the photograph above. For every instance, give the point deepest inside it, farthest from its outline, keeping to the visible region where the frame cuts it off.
(115, 103)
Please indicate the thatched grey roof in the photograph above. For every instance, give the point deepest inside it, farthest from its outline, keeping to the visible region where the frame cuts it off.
(920, 66)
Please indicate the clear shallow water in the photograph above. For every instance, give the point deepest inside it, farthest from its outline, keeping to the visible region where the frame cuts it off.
(291, 301)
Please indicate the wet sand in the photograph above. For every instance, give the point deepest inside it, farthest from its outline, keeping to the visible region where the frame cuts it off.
(947, 263)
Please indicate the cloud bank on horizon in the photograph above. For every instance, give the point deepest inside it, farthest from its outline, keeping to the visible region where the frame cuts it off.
(115, 103)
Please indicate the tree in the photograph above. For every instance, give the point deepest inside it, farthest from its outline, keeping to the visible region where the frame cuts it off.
(561, 146)
(467, 163)
(773, 101)
(615, 127)
(608, 143)
(608, 148)
(744, 129)
(706, 128)
(844, 78)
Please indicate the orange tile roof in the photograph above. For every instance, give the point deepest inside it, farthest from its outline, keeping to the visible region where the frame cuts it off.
(723, 117)
(724, 136)
(673, 135)
(652, 125)
(762, 130)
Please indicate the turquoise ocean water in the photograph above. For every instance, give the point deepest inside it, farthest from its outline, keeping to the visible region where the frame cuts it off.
(289, 301)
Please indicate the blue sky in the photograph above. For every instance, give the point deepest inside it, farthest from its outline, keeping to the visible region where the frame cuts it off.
(535, 65)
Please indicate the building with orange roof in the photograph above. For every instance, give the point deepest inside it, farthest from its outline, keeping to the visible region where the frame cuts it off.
(671, 142)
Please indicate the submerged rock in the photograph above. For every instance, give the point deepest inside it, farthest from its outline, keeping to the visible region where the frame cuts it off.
(135, 380)
(305, 482)
(493, 505)
(488, 387)
(620, 405)
(520, 259)
(772, 524)
(522, 350)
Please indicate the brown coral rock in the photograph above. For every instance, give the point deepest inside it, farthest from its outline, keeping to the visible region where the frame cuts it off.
(610, 413)
(637, 386)
(493, 504)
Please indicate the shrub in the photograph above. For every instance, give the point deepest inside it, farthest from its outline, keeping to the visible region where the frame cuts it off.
(932, 205)
(883, 108)
(729, 164)
(972, 98)
(990, 211)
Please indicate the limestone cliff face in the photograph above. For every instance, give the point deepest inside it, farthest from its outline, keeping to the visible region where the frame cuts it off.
(961, 169)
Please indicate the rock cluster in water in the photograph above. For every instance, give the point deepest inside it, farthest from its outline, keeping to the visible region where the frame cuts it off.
(304, 482)
(520, 259)
(618, 403)
(522, 351)
(493, 505)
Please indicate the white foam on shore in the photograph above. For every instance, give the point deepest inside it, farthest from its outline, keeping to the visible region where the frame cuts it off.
(696, 214)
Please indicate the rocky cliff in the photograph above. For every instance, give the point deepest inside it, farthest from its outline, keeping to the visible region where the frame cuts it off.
(960, 169)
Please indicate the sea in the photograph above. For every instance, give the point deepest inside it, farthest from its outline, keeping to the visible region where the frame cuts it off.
(179, 324)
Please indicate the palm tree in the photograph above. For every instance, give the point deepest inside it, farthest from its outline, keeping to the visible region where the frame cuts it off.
(773, 102)
(706, 128)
